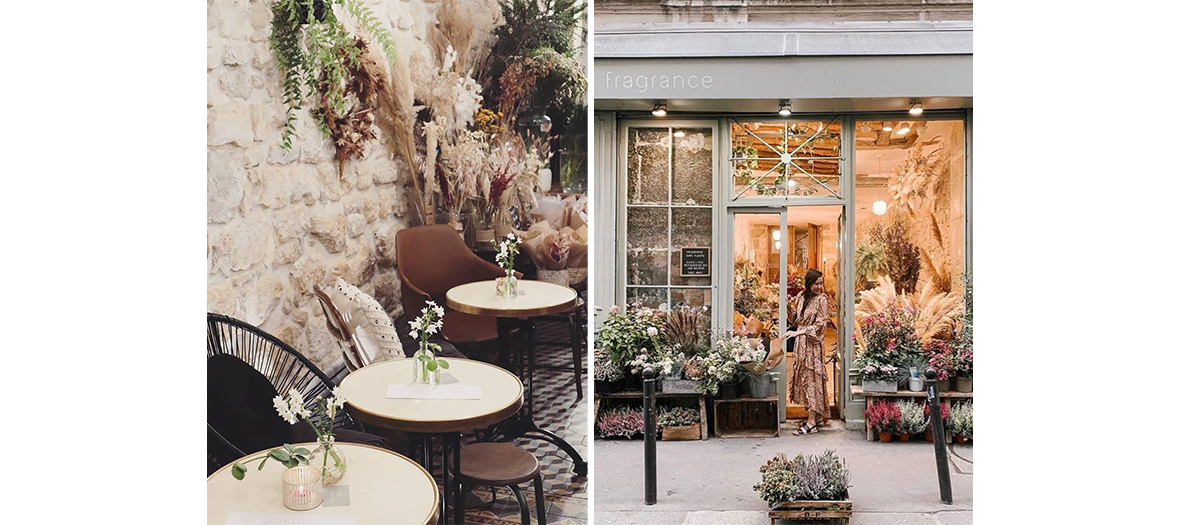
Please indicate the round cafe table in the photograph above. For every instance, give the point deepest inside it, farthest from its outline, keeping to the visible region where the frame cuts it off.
(534, 299)
(383, 487)
(501, 397)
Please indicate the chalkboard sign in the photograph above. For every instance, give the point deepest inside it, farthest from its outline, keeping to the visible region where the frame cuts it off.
(694, 262)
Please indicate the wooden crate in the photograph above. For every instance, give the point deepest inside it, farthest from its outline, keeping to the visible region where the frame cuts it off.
(638, 396)
(812, 510)
(746, 417)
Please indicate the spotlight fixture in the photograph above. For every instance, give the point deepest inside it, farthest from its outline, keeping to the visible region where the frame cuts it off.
(778, 245)
(776, 235)
(916, 108)
(660, 109)
(791, 183)
(784, 108)
(905, 128)
(887, 127)
(678, 133)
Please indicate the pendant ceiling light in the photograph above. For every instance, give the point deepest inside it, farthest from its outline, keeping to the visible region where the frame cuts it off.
(660, 109)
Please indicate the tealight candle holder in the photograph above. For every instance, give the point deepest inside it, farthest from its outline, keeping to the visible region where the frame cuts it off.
(303, 489)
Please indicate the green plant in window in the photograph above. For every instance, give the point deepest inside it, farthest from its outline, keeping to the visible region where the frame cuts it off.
(870, 257)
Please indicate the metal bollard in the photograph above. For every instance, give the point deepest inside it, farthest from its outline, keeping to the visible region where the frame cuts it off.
(940, 459)
(649, 436)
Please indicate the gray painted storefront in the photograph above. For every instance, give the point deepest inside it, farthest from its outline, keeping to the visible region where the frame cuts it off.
(710, 76)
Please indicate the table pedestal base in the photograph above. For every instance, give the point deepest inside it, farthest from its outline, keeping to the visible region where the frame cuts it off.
(522, 424)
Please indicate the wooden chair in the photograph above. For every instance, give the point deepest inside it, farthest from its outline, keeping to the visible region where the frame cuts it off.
(430, 261)
(500, 465)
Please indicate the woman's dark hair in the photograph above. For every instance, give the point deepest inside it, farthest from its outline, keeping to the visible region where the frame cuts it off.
(812, 276)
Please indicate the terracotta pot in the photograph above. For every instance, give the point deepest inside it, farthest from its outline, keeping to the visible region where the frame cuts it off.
(929, 436)
(885, 437)
(960, 440)
(904, 437)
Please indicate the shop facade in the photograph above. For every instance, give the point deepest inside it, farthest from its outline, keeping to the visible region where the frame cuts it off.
(731, 158)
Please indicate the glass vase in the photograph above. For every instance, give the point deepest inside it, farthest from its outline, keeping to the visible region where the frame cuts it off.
(423, 375)
(330, 460)
(502, 223)
(507, 286)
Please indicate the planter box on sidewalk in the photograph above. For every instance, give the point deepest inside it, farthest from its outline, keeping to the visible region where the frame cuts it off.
(812, 510)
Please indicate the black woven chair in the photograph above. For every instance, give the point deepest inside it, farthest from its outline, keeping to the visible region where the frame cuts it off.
(284, 368)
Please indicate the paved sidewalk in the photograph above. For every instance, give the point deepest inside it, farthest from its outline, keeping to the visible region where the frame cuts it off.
(711, 482)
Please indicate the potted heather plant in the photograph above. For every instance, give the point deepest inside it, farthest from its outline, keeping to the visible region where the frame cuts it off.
(960, 422)
(913, 419)
(946, 412)
(680, 424)
(799, 487)
(884, 417)
(619, 422)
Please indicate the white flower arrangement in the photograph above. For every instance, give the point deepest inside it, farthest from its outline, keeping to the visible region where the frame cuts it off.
(422, 327)
(320, 414)
(509, 248)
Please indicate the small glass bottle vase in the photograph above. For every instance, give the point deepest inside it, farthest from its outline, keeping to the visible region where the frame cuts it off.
(507, 286)
(330, 460)
(422, 374)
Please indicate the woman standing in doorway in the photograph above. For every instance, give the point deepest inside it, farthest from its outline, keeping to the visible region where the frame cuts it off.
(809, 376)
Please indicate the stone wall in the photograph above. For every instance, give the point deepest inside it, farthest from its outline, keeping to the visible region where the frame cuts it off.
(280, 222)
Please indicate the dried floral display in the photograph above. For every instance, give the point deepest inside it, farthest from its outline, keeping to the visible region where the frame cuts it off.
(806, 478)
(934, 312)
(914, 183)
(319, 61)
(687, 329)
(901, 261)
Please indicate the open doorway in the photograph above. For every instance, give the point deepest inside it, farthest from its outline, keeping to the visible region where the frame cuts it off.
(773, 250)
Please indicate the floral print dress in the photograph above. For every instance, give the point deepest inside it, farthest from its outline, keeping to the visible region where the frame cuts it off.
(809, 384)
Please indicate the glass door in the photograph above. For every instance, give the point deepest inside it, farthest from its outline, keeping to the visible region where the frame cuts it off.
(773, 249)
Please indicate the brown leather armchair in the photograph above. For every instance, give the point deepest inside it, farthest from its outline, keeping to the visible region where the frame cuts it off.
(430, 261)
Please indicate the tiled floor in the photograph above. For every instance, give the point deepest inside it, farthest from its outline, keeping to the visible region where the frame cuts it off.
(555, 410)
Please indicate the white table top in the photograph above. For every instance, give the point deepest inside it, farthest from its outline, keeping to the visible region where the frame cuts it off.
(365, 391)
(384, 487)
(536, 298)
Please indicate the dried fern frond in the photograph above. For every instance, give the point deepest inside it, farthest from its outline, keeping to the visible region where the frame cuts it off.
(685, 328)
(935, 311)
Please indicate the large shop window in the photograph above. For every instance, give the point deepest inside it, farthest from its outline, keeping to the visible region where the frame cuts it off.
(786, 158)
(669, 213)
(911, 209)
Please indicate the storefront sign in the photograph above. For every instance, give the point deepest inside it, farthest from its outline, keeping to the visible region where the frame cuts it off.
(826, 77)
(694, 262)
